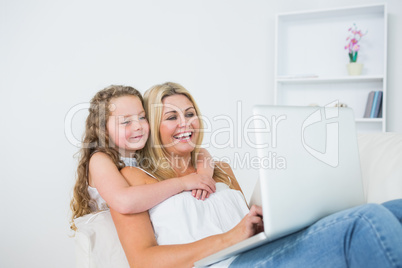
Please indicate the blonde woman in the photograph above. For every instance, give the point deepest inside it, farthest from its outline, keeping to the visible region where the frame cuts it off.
(182, 230)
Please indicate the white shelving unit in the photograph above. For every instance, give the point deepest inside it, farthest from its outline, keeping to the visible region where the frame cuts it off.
(310, 64)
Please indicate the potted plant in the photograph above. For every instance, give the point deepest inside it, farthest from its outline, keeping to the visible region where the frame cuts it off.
(353, 48)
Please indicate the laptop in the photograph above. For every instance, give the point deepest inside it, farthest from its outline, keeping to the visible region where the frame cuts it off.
(309, 168)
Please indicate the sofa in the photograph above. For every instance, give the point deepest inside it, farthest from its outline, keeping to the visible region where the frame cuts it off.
(381, 166)
(97, 243)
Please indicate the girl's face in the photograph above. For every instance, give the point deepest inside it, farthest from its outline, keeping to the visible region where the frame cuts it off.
(179, 125)
(127, 126)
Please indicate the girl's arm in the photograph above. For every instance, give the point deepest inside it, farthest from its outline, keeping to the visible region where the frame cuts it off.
(138, 239)
(205, 166)
(120, 196)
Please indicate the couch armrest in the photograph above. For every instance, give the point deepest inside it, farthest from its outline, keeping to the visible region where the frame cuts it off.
(381, 164)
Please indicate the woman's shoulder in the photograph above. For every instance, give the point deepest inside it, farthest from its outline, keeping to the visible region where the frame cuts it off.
(225, 167)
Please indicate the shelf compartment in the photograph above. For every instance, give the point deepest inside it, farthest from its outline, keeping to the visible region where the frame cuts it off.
(313, 42)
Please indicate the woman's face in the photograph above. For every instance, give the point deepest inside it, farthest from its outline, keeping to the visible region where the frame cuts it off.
(179, 125)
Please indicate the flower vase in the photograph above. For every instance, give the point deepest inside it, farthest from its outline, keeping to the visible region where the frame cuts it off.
(355, 68)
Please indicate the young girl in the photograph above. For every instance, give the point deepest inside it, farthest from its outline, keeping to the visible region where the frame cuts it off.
(116, 131)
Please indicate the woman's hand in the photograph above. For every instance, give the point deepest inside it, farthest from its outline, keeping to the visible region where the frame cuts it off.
(250, 225)
(201, 185)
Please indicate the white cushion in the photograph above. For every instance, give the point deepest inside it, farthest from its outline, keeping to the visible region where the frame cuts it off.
(97, 243)
(381, 164)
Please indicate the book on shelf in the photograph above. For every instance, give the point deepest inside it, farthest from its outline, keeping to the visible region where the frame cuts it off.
(373, 105)
(380, 113)
(375, 110)
(369, 104)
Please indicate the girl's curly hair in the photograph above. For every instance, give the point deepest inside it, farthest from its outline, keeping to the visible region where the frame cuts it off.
(96, 139)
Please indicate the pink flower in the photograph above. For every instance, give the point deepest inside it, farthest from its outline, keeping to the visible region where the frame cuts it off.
(353, 39)
(356, 47)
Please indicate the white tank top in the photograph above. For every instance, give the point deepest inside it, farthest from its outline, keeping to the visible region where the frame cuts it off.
(97, 203)
(184, 219)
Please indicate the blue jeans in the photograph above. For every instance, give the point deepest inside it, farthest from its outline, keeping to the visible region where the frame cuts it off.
(365, 236)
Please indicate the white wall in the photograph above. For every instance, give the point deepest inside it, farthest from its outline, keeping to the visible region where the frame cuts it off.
(57, 54)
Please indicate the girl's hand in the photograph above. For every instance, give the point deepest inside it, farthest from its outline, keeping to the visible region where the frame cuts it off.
(250, 225)
(200, 194)
(200, 184)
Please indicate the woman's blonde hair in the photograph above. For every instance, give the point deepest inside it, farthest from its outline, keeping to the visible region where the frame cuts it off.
(155, 158)
(96, 139)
